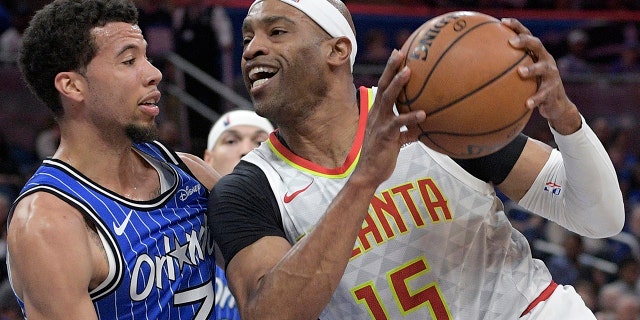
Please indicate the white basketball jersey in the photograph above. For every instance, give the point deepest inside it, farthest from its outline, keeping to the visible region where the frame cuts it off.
(436, 243)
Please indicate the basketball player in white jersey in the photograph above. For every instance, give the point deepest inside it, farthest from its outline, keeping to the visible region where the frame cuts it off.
(113, 226)
(342, 216)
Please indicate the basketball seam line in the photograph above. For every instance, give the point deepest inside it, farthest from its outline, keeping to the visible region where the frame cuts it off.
(444, 53)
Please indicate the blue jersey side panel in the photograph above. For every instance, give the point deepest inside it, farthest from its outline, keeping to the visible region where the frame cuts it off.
(226, 308)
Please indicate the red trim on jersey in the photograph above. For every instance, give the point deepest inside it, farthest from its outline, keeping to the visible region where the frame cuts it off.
(351, 157)
(544, 295)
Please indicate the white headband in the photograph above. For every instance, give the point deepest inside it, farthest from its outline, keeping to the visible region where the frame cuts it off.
(236, 118)
(328, 18)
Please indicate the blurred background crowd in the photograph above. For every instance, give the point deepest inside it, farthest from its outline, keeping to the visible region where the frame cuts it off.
(197, 45)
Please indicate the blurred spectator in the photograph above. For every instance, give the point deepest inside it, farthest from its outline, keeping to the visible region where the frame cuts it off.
(203, 35)
(400, 37)
(607, 298)
(156, 24)
(628, 61)
(11, 39)
(47, 140)
(575, 62)
(628, 307)
(566, 268)
(633, 221)
(603, 130)
(376, 47)
(11, 178)
(625, 160)
(617, 156)
(169, 134)
(589, 293)
(626, 277)
(375, 54)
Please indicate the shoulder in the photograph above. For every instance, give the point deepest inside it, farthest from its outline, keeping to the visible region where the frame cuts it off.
(40, 223)
(247, 187)
(243, 209)
(200, 169)
(244, 192)
(47, 232)
(44, 212)
(246, 177)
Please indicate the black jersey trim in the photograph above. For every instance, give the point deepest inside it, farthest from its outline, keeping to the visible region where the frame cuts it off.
(172, 156)
(134, 204)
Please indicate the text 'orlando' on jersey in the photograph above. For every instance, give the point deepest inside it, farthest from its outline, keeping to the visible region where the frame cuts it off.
(160, 252)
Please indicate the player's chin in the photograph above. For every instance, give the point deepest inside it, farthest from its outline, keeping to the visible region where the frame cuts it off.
(140, 133)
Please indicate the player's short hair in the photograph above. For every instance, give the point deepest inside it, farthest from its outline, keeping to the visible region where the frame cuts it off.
(59, 39)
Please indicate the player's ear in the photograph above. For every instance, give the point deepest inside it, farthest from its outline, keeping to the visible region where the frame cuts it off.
(340, 51)
(71, 85)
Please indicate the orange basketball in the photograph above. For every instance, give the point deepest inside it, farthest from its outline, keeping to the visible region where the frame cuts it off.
(464, 76)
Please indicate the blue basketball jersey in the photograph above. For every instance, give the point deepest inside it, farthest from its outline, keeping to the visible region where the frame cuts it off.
(160, 252)
(226, 308)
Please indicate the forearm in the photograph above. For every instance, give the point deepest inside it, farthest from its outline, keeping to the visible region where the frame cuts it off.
(585, 197)
(314, 266)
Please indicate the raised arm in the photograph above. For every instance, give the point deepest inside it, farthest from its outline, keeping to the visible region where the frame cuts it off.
(583, 195)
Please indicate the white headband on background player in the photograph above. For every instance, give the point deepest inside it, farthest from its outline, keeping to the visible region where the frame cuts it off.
(328, 18)
(236, 118)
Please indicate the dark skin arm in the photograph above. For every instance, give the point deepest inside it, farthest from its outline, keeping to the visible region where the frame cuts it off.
(552, 103)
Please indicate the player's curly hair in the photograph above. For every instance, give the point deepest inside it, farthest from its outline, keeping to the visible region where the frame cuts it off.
(59, 39)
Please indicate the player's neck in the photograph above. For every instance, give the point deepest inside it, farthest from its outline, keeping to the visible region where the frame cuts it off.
(112, 168)
(325, 140)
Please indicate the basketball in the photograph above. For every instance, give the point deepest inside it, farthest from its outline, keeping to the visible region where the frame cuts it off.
(464, 76)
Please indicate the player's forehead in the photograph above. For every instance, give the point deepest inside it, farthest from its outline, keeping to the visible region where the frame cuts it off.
(114, 35)
(244, 130)
(267, 12)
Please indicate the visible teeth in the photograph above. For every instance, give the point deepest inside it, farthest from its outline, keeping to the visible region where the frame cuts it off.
(253, 73)
(259, 82)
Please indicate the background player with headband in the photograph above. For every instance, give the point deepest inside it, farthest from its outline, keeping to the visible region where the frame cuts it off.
(113, 226)
(231, 137)
(341, 215)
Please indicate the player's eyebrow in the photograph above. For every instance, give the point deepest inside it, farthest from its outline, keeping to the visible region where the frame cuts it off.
(247, 23)
(126, 48)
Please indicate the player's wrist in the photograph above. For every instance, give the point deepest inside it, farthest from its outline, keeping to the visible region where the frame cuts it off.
(364, 181)
(569, 122)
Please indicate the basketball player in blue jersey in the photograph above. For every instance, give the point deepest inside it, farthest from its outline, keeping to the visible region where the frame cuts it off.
(114, 225)
(340, 215)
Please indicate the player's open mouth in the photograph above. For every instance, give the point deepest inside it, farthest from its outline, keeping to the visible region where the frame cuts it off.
(260, 75)
(150, 103)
